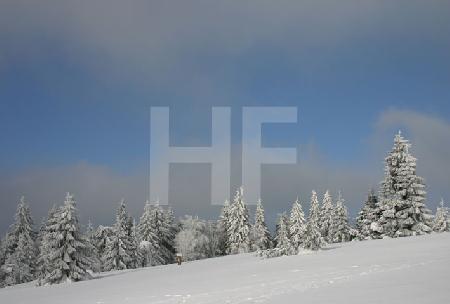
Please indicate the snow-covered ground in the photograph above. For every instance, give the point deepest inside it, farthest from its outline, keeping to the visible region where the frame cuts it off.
(406, 270)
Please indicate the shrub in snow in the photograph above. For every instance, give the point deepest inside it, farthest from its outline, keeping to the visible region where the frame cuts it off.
(191, 240)
(402, 196)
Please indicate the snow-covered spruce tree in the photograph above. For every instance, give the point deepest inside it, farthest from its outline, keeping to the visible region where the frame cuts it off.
(239, 225)
(340, 230)
(283, 237)
(20, 259)
(368, 217)
(68, 257)
(313, 239)
(222, 227)
(102, 236)
(149, 241)
(260, 235)
(118, 253)
(164, 226)
(2, 251)
(402, 195)
(91, 249)
(48, 241)
(138, 255)
(297, 225)
(441, 223)
(168, 237)
(326, 214)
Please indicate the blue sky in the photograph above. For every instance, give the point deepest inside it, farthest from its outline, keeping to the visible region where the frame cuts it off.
(77, 80)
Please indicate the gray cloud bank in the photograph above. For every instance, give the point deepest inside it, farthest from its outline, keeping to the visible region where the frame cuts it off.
(164, 42)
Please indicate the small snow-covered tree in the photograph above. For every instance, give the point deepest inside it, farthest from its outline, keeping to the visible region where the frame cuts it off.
(168, 235)
(313, 239)
(282, 237)
(441, 223)
(102, 236)
(2, 251)
(24, 259)
(149, 241)
(48, 234)
(402, 195)
(118, 253)
(191, 240)
(297, 225)
(340, 230)
(239, 226)
(260, 235)
(67, 256)
(20, 259)
(326, 214)
(91, 248)
(368, 217)
(222, 227)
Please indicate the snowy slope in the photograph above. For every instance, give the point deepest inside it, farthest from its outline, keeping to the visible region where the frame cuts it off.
(407, 270)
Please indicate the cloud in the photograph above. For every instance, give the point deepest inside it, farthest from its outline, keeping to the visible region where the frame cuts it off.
(158, 43)
(97, 189)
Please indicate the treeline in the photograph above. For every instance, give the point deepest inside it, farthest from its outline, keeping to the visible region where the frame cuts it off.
(60, 251)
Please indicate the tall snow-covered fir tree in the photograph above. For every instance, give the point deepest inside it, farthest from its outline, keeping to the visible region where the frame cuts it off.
(282, 235)
(260, 235)
(340, 230)
(326, 215)
(402, 195)
(118, 253)
(297, 225)
(222, 227)
(313, 239)
(368, 217)
(163, 225)
(20, 259)
(149, 241)
(68, 256)
(441, 223)
(239, 225)
(169, 233)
